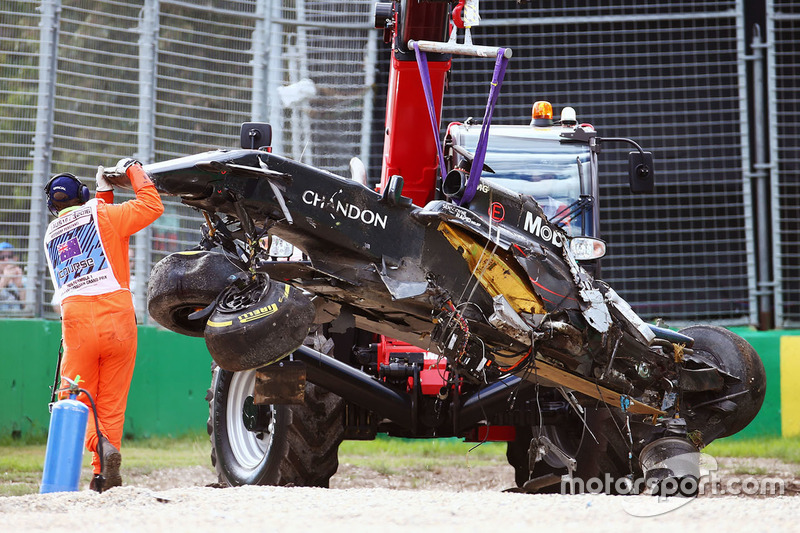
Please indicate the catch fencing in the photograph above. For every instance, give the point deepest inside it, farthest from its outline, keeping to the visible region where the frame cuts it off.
(711, 88)
(715, 98)
(669, 77)
(86, 82)
(783, 163)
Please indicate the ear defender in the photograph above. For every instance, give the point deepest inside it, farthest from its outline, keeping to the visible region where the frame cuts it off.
(81, 191)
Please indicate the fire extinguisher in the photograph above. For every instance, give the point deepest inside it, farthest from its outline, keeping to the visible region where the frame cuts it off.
(64, 455)
(65, 440)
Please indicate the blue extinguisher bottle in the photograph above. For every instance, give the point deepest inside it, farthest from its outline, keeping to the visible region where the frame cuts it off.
(64, 455)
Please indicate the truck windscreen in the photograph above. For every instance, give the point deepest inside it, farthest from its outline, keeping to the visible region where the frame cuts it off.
(543, 168)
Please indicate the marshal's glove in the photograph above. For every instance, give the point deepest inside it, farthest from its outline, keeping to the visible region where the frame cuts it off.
(117, 176)
(102, 184)
(124, 163)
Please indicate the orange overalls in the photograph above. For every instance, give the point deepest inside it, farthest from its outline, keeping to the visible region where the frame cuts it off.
(99, 330)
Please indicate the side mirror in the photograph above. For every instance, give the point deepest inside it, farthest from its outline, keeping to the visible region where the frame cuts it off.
(641, 172)
(392, 194)
(256, 135)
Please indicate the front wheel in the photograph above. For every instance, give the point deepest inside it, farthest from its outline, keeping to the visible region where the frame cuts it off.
(185, 282)
(272, 444)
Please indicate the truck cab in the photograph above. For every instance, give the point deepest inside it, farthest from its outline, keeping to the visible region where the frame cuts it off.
(553, 161)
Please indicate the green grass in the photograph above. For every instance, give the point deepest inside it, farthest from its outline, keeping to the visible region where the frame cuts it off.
(388, 455)
(751, 470)
(21, 464)
(785, 449)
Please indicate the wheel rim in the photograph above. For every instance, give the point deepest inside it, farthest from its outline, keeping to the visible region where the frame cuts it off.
(237, 298)
(249, 448)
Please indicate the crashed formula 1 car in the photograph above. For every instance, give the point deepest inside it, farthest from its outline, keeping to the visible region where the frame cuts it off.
(470, 312)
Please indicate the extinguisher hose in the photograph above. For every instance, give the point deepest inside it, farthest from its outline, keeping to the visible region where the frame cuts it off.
(58, 373)
(100, 480)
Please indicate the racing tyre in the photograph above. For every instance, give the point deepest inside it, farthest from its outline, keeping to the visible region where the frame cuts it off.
(256, 322)
(741, 398)
(272, 444)
(185, 282)
(594, 459)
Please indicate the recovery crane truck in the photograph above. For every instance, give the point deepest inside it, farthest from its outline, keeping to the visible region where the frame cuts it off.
(457, 300)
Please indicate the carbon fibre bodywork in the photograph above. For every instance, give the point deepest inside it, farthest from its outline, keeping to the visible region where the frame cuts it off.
(384, 265)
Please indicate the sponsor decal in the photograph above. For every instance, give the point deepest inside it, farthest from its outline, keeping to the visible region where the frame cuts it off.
(72, 218)
(462, 214)
(75, 267)
(497, 212)
(537, 227)
(347, 210)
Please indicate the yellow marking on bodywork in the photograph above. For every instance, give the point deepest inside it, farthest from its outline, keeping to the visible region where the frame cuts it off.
(495, 271)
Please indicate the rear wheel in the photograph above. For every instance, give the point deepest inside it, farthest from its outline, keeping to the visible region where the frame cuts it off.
(594, 459)
(728, 411)
(272, 444)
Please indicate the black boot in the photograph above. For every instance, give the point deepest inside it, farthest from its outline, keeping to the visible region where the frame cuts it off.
(112, 459)
(97, 483)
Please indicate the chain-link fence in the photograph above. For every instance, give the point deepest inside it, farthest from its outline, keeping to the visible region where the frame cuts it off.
(784, 97)
(84, 82)
(670, 76)
(19, 86)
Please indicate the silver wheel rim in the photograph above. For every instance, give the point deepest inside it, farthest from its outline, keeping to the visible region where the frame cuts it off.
(248, 447)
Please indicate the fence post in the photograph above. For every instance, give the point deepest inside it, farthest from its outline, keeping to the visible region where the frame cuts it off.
(258, 109)
(275, 76)
(760, 175)
(369, 96)
(42, 148)
(782, 315)
(148, 65)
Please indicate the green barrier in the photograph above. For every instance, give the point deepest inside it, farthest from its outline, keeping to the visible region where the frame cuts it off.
(167, 395)
(767, 346)
(173, 373)
(29, 354)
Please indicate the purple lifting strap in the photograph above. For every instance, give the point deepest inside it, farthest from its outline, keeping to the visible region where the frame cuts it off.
(424, 74)
(483, 140)
(480, 150)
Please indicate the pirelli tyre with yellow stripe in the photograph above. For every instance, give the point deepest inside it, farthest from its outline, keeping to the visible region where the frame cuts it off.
(256, 322)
